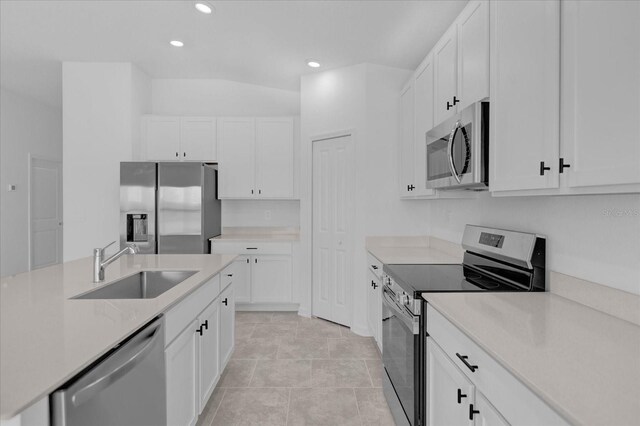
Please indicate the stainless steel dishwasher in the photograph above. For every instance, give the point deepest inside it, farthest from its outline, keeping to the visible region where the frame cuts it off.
(125, 388)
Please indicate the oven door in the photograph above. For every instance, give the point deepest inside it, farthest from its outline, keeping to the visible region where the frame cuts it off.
(399, 332)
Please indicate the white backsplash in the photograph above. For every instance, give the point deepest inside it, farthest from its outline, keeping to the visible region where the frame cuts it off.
(260, 213)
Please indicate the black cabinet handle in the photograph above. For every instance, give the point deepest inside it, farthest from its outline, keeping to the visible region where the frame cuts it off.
(460, 396)
(455, 101)
(408, 187)
(252, 248)
(229, 275)
(199, 331)
(563, 166)
(259, 191)
(464, 358)
(374, 285)
(374, 266)
(247, 260)
(176, 155)
(252, 191)
(205, 325)
(449, 106)
(255, 260)
(225, 302)
(411, 188)
(472, 412)
(184, 154)
(543, 168)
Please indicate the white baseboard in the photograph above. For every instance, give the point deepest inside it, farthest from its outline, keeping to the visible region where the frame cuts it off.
(267, 306)
(361, 331)
(304, 313)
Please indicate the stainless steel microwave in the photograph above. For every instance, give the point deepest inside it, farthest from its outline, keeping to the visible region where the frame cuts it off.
(458, 150)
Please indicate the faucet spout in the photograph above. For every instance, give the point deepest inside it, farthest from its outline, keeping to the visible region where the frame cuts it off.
(99, 265)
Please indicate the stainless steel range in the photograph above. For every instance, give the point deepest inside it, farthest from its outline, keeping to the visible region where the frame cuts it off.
(494, 260)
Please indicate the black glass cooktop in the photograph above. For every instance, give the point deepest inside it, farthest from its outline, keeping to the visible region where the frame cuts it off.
(443, 278)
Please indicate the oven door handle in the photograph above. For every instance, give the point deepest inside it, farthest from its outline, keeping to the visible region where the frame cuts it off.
(452, 166)
(410, 321)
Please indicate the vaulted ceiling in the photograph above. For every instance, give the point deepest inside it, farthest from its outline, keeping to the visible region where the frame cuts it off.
(258, 42)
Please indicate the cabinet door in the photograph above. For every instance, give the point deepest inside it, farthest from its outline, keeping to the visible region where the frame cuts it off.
(198, 139)
(487, 415)
(473, 53)
(271, 279)
(445, 58)
(236, 139)
(274, 157)
(525, 74)
(601, 92)
(208, 352)
(161, 138)
(242, 279)
(449, 392)
(227, 324)
(181, 359)
(372, 303)
(407, 123)
(423, 123)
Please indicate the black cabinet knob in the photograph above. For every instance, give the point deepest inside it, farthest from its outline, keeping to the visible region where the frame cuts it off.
(472, 412)
(563, 166)
(460, 396)
(225, 302)
(543, 168)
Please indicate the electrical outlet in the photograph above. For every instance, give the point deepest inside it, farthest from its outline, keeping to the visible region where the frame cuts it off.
(267, 215)
(11, 188)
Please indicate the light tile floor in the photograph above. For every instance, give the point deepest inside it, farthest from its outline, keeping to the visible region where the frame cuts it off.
(295, 371)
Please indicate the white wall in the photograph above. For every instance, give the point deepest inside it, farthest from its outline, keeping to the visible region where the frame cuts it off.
(101, 103)
(221, 98)
(593, 237)
(26, 126)
(261, 213)
(364, 98)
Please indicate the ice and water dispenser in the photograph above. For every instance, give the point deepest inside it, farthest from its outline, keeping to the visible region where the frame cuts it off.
(137, 228)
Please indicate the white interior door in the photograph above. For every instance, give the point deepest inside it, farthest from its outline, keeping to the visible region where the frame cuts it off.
(333, 195)
(45, 239)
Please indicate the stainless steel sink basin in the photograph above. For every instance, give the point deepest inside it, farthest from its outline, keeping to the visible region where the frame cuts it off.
(143, 285)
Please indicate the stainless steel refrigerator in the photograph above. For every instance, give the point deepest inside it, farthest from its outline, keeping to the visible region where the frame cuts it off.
(169, 208)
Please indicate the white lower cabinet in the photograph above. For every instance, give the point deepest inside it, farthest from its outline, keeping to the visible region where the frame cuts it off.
(271, 279)
(209, 352)
(199, 333)
(449, 392)
(227, 325)
(466, 386)
(242, 279)
(181, 358)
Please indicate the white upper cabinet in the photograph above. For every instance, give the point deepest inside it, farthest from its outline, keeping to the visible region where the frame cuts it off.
(525, 77)
(600, 92)
(445, 57)
(256, 157)
(161, 138)
(406, 172)
(473, 54)
(237, 157)
(198, 138)
(274, 157)
(461, 62)
(178, 138)
(423, 117)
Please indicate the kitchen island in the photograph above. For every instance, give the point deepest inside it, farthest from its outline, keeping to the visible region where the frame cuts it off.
(46, 337)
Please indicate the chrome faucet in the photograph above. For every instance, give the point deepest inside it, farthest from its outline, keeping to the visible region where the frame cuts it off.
(99, 264)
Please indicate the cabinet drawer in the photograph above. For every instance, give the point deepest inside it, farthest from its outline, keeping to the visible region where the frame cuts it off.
(516, 402)
(250, 248)
(181, 315)
(226, 276)
(375, 265)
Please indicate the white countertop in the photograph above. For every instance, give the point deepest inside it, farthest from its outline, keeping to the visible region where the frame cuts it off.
(582, 362)
(412, 255)
(45, 338)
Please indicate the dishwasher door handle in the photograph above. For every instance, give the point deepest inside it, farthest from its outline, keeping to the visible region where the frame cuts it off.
(124, 359)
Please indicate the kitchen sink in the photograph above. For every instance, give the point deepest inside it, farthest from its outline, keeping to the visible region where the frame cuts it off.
(143, 285)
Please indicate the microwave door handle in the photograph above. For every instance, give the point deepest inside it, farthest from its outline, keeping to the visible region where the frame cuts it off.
(452, 166)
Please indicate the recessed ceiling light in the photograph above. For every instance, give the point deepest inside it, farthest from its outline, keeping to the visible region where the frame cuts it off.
(204, 8)
(176, 43)
(313, 64)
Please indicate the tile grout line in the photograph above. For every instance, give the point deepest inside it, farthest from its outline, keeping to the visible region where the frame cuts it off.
(215, 413)
(286, 422)
(357, 406)
(369, 372)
